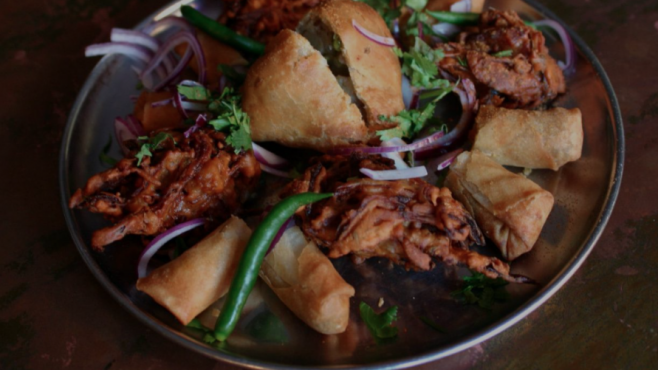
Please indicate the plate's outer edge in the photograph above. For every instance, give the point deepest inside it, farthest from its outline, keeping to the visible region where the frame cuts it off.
(478, 337)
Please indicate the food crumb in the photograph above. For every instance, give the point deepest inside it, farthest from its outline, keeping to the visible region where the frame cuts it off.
(381, 302)
(527, 172)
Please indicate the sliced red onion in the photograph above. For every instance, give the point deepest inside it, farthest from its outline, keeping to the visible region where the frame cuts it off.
(396, 28)
(446, 29)
(122, 132)
(442, 162)
(177, 39)
(418, 144)
(178, 102)
(268, 158)
(569, 48)
(466, 92)
(137, 52)
(134, 37)
(381, 40)
(161, 240)
(420, 30)
(193, 106)
(167, 23)
(135, 126)
(400, 164)
(190, 83)
(200, 121)
(161, 103)
(286, 225)
(463, 6)
(273, 171)
(408, 173)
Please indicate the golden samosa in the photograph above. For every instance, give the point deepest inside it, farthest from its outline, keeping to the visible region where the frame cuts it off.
(509, 208)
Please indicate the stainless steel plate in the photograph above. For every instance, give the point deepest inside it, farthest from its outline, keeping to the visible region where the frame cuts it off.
(585, 192)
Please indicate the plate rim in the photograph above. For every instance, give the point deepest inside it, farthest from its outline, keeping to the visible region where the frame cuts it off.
(431, 355)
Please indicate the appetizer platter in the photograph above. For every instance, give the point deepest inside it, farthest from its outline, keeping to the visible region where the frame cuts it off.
(336, 182)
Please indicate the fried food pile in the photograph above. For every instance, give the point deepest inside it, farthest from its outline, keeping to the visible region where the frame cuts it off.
(185, 178)
(263, 19)
(524, 75)
(407, 221)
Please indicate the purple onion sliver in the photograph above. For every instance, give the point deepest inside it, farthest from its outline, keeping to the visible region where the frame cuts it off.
(161, 103)
(381, 40)
(273, 171)
(268, 158)
(134, 37)
(122, 133)
(408, 173)
(131, 50)
(463, 6)
(168, 22)
(569, 48)
(286, 225)
(135, 126)
(161, 240)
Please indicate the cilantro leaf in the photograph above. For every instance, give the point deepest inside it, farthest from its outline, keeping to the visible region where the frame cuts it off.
(103, 157)
(231, 118)
(417, 5)
(380, 325)
(482, 291)
(194, 92)
(410, 122)
(420, 65)
(504, 53)
(152, 144)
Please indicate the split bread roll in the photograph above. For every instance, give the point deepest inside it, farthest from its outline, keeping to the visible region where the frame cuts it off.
(510, 209)
(189, 284)
(328, 86)
(306, 281)
(530, 139)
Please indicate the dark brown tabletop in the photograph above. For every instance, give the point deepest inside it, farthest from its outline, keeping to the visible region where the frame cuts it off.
(54, 314)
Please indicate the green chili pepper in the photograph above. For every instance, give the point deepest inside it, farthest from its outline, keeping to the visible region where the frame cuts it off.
(252, 258)
(460, 19)
(221, 32)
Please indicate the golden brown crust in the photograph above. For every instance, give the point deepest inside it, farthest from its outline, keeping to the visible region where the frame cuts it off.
(307, 282)
(293, 98)
(510, 209)
(374, 69)
(200, 276)
(530, 139)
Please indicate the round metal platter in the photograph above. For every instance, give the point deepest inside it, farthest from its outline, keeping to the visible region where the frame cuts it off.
(269, 336)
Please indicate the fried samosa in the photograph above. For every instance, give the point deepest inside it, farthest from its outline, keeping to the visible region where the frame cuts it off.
(189, 284)
(509, 208)
(306, 281)
(530, 139)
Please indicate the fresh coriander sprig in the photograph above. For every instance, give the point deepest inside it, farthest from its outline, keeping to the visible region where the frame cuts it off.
(482, 291)
(151, 144)
(420, 65)
(410, 122)
(380, 325)
(231, 118)
(388, 12)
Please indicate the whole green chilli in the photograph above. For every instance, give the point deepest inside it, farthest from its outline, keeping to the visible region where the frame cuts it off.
(460, 19)
(252, 259)
(221, 32)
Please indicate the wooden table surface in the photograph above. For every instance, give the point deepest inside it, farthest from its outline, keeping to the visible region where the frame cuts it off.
(55, 315)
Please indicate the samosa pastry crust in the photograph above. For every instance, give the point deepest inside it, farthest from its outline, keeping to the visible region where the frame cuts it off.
(530, 139)
(306, 281)
(292, 98)
(510, 209)
(200, 276)
(374, 69)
